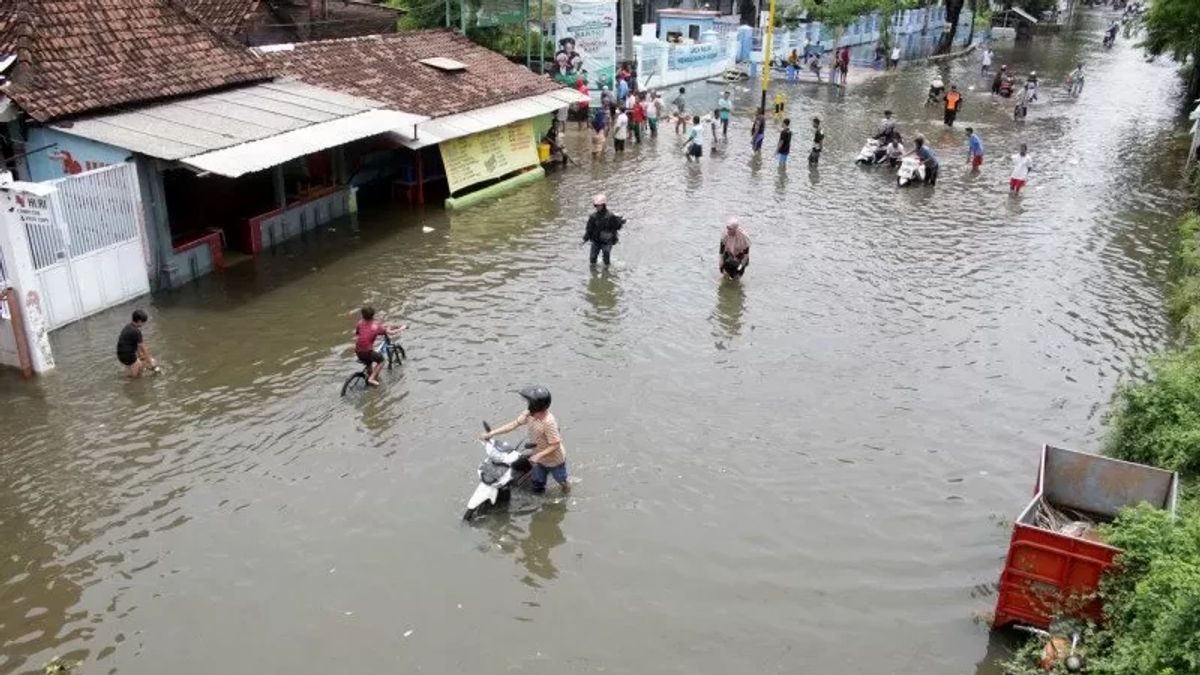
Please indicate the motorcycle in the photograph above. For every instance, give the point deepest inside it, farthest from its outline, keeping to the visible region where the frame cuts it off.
(505, 467)
(937, 89)
(871, 153)
(1061, 644)
(911, 171)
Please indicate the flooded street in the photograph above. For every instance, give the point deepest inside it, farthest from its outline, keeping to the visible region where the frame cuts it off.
(809, 472)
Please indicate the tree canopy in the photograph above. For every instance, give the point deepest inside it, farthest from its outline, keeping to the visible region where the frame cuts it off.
(1172, 28)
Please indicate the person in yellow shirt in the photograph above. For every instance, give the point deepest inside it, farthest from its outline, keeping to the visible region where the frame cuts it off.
(780, 102)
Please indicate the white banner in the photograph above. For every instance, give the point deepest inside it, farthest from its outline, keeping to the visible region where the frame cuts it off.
(587, 41)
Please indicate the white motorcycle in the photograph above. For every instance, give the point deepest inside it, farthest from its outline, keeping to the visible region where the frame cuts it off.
(911, 171)
(505, 467)
(871, 153)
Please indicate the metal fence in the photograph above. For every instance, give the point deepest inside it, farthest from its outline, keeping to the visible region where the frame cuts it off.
(99, 208)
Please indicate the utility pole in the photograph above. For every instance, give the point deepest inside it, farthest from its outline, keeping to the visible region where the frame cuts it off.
(627, 30)
(768, 38)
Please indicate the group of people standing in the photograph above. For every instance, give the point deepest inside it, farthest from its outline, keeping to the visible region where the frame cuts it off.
(604, 227)
(813, 61)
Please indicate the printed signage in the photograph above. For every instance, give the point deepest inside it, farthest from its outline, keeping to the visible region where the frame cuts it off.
(488, 154)
(693, 56)
(586, 33)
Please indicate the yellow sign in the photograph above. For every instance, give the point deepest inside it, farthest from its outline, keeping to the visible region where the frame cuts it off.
(488, 154)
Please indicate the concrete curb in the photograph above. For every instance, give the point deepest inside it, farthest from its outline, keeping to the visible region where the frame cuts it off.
(952, 55)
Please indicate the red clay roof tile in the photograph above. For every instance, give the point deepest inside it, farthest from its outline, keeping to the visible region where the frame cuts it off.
(76, 56)
(387, 68)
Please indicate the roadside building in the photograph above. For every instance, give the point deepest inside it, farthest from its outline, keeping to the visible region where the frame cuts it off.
(264, 22)
(226, 159)
(486, 115)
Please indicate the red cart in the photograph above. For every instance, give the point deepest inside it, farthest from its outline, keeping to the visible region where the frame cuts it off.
(1056, 556)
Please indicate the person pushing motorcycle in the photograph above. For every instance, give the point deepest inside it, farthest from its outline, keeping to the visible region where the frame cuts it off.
(549, 456)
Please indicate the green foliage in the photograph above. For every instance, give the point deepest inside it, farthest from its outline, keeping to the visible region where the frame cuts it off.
(510, 40)
(1172, 27)
(1152, 605)
(1157, 422)
(839, 13)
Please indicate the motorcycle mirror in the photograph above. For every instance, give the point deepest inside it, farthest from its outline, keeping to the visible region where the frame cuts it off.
(487, 427)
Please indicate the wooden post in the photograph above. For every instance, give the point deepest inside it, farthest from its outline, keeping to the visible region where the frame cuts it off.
(420, 178)
(9, 296)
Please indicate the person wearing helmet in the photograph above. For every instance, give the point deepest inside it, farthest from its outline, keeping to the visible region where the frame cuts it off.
(1031, 87)
(549, 457)
(602, 228)
(999, 79)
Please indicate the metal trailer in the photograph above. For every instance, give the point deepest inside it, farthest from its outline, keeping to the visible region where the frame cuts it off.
(1048, 573)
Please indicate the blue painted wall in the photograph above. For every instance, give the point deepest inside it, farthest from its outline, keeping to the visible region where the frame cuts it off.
(73, 154)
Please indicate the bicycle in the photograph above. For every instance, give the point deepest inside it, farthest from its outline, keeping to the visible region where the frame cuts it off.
(393, 354)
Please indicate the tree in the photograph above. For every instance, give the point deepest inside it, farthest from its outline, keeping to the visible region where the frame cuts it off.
(840, 13)
(953, 11)
(1172, 27)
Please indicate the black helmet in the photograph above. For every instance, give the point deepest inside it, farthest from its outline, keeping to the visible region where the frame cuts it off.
(537, 396)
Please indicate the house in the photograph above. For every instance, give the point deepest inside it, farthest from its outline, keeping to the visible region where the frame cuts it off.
(474, 98)
(265, 22)
(228, 157)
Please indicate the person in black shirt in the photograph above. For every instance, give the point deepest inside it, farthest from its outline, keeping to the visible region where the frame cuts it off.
(131, 348)
(814, 155)
(785, 142)
(602, 227)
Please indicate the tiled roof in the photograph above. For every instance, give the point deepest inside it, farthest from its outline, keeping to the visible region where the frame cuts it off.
(76, 56)
(387, 68)
(226, 17)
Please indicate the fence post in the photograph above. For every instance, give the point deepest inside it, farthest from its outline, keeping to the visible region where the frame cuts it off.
(22, 278)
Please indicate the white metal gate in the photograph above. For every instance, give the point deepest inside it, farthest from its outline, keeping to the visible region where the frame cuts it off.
(87, 243)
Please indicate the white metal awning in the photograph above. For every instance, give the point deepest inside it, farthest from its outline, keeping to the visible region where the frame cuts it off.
(440, 129)
(1024, 14)
(262, 154)
(280, 120)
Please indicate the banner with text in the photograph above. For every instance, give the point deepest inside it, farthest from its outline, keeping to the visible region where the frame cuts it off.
(693, 56)
(587, 42)
(488, 154)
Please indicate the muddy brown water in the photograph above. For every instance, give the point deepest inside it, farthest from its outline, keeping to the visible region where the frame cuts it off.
(806, 472)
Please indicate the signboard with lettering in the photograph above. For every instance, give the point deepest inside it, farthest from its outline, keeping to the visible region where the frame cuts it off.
(693, 56)
(488, 154)
(67, 155)
(587, 42)
(46, 242)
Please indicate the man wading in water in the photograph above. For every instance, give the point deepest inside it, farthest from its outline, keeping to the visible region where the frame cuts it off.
(602, 227)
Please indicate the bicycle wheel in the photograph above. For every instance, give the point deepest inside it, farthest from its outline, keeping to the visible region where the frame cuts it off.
(402, 357)
(357, 381)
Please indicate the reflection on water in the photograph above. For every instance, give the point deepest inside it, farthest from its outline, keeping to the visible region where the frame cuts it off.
(530, 530)
(731, 304)
(811, 455)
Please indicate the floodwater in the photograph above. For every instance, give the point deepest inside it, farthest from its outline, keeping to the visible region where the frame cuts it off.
(806, 472)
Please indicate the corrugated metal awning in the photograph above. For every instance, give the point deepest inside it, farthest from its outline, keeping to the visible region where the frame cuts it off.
(261, 154)
(207, 123)
(440, 129)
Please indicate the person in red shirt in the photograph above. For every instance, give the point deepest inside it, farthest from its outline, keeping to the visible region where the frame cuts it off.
(366, 331)
(582, 88)
(639, 117)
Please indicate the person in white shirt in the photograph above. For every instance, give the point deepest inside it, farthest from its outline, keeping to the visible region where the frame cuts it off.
(695, 140)
(621, 130)
(1022, 165)
(986, 61)
(653, 109)
(895, 60)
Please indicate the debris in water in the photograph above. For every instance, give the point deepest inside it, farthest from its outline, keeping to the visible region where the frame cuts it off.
(409, 631)
(845, 461)
(427, 229)
(348, 613)
(954, 480)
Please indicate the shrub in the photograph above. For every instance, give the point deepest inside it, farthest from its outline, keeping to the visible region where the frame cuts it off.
(1157, 421)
